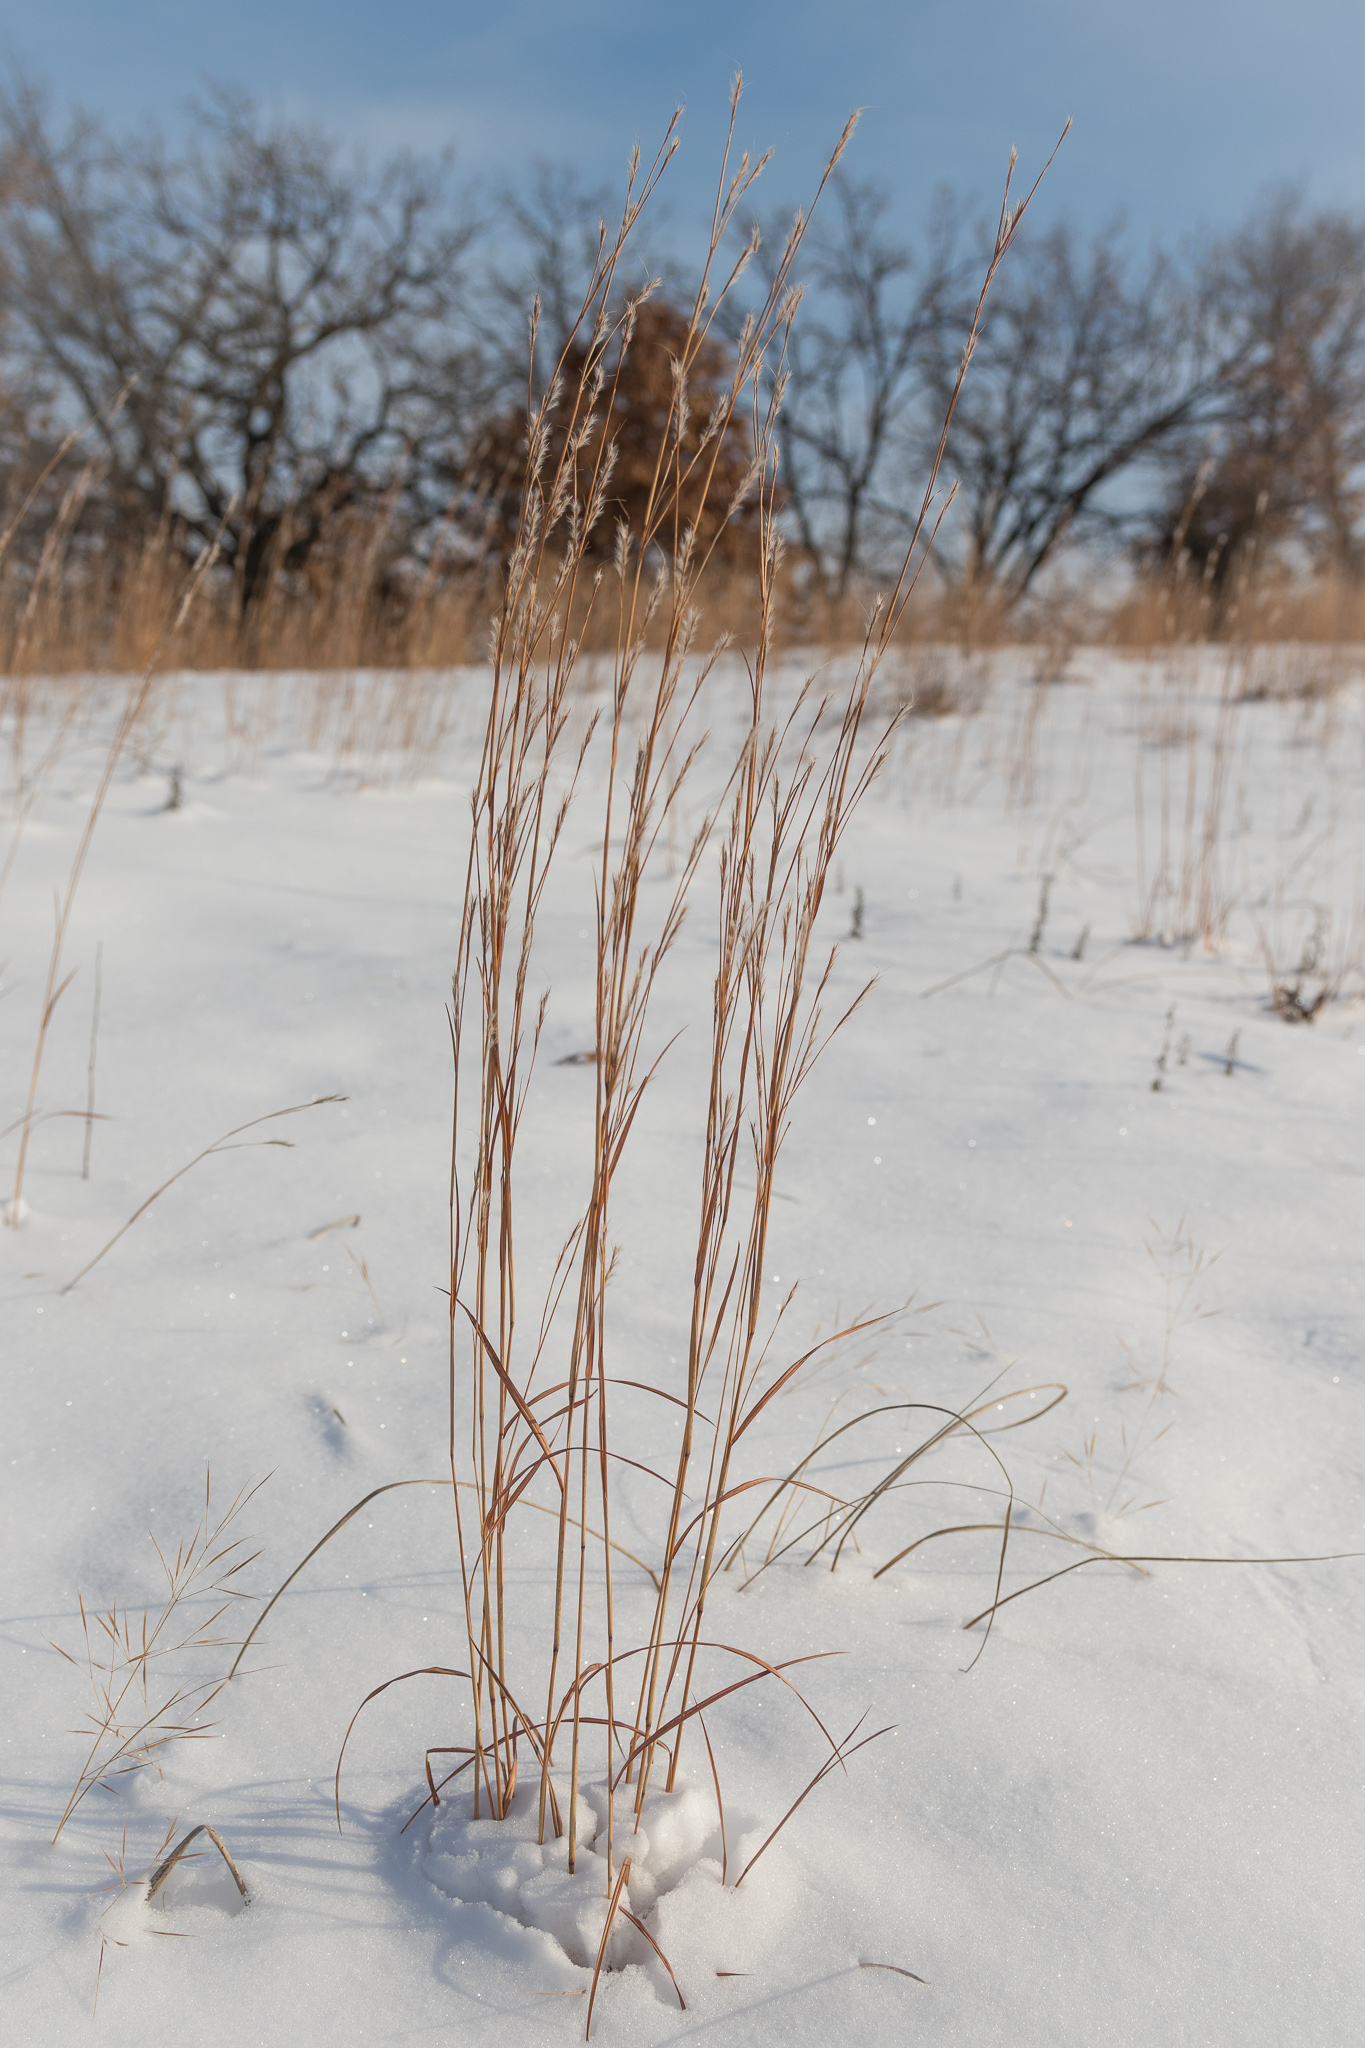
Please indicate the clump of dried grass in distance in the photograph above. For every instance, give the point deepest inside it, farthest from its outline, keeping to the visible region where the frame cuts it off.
(936, 691)
(1032, 953)
(1059, 622)
(135, 707)
(1181, 1267)
(1259, 604)
(935, 680)
(1180, 1264)
(1298, 673)
(531, 1394)
(102, 608)
(135, 1712)
(1027, 712)
(1186, 892)
(19, 699)
(1330, 963)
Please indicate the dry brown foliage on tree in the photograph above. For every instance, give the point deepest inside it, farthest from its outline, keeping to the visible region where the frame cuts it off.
(639, 413)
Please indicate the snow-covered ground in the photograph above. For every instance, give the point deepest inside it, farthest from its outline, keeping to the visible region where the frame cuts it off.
(1139, 1817)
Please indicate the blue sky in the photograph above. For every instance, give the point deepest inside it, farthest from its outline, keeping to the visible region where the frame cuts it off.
(1184, 113)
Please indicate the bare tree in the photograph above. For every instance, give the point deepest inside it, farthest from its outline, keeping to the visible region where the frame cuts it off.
(548, 236)
(875, 308)
(1080, 374)
(1283, 456)
(278, 322)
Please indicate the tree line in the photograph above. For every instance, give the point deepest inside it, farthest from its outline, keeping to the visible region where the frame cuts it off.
(283, 353)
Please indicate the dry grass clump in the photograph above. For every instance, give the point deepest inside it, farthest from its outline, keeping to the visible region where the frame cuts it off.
(788, 798)
(104, 610)
(136, 1714)
(532, 1391)
(104, 613)
(1298, 672)
(1258, 604)
(1185, 889)
(132, 718)
(935, 679)
(1325, 965)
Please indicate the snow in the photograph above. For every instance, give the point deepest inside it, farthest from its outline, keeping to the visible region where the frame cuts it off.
(502, 1864)
(1137, 1818)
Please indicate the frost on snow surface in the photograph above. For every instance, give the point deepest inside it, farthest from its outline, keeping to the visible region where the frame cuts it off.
(1099, 1187)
